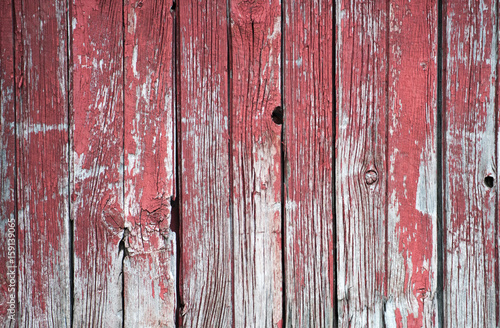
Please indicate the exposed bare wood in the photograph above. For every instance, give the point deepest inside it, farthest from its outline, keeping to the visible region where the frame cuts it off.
(97, 161)
(206, 249)
(470, 61)
(256, 158)
(308, 141)
(149, 268)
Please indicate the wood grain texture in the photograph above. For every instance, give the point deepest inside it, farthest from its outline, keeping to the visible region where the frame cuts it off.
(470, 60)
(206, 227)
(97, 161)
(149, 283)
(256, 162)
(42, 164)
(361, 172)
(411, 155)
(308, 138)
(8, 224)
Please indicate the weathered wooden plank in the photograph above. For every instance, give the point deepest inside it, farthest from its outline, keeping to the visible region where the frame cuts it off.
(361, 172)
(256, 162)
(206, 250)
(97, 161)
(308, 142)
(412, 158)
(470, 60)
(8, 224)
(42, 163)
(149, 267)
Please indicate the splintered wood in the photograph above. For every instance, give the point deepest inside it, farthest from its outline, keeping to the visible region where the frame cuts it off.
(235, 163)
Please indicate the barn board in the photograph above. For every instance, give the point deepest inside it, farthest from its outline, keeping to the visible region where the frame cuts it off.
(149, 266)
(308, 164)
(470, 59)
(255, 55)
(387, 163)
(97, 144)
(42, 195)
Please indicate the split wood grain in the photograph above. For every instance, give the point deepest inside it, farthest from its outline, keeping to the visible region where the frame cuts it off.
(309, 155)
(97, 161)
(42, 159)
(470, 59)
(206, 243)
(8, 212)
(149, 267)
(255, 48)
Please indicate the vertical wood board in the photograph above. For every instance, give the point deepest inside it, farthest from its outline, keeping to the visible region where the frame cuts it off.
(206, 227)
(308, 141)
(255, 47)
(470, 59)
(97, 161)
(149, 273)
(42, 163)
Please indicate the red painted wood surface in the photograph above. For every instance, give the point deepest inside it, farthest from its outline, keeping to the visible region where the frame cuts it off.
(386, 163)
(361, 165)
(42, 163)
(308, 142)
(255, 47)
(412, 163)
(8, 223)
(470, 112)
(205, 199)
(149, 267)
(97, 148)
(149, 185)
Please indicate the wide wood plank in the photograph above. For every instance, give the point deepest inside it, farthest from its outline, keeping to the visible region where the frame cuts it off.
(42, 163)
(8, 223)
(412, 173)
(308, 141)
(149, 267)
(470, 59)
(206, 227)
(255, 49)
(97, 161)
(361, 172)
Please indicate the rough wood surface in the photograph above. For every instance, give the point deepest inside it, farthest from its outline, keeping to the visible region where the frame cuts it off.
(42, 163)
(149, 267)
(361, 187)
(206, 227)
(470, 61)
(97, 161)
(386, 163)
(255, 48)
(8, 223)
(308, 141)
(411, 162)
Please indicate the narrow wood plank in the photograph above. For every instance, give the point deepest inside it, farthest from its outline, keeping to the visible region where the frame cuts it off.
(256, 158)
(149, 268)
(361, 172)
(8, 224)
(206, 250)
(411, 155)
(42, 163)
(308, 106)
(470, 205)
(97, 161)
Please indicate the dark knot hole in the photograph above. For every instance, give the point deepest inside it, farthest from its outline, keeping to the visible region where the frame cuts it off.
(489, 181)
(277, 115)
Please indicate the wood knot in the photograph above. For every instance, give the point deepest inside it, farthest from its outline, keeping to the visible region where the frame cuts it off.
(371, 177)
